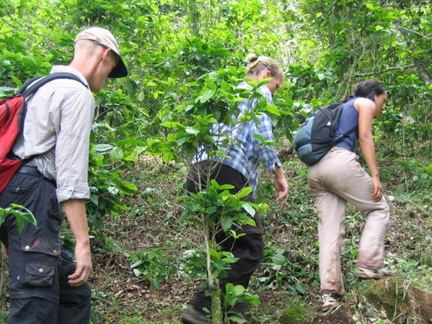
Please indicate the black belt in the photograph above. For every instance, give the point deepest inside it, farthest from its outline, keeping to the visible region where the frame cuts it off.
(27, 169)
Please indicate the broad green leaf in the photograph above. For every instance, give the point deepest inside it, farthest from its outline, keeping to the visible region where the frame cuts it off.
(206, 96)
(244, 192)
(226, 223)
(167, 157)
(191, 130)
(249, 209)
(116, 154)
(129, 185)
(237, 290)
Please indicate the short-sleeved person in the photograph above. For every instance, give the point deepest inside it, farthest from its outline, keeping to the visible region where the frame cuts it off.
(240, 169)
(339, 178)
(45, 285)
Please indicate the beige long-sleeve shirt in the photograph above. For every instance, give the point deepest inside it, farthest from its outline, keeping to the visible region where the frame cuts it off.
(57, 133)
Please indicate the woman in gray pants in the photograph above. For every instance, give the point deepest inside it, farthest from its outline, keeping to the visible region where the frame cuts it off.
(339, 178)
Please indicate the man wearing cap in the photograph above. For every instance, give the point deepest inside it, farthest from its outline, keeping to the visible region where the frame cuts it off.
(45, 285)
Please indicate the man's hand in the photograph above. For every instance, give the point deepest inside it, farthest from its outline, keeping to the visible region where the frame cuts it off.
(84, 265)
(75, 212)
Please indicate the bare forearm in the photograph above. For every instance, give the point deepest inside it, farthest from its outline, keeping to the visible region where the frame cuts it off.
(368, 149)
(77, 218)
(281, 185)
(278, 172)
(75, 212)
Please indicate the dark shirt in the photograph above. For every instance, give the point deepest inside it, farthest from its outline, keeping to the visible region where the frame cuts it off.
(348, 120)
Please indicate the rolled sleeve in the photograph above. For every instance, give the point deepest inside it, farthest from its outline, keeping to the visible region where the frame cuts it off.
(76, 192)
(72, 148)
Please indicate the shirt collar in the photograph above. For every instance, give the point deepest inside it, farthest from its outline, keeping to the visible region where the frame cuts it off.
(68, 69)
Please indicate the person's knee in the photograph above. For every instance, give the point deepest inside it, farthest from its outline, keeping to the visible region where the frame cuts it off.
(32, 311)
(80, 295)
(75, 305)
(86, 293)
(253, 251)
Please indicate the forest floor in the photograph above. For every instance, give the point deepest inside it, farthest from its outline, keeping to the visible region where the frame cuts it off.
(150, 234)
(288, 290)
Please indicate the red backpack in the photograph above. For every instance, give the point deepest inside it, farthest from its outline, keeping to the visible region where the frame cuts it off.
(12, 113)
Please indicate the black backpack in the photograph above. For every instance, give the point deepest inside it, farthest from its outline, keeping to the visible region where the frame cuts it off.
(316, 135)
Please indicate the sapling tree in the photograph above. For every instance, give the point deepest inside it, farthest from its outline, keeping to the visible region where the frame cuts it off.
(215, 209)
(191, 126)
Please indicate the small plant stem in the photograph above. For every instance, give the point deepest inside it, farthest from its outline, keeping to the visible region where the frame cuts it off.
(213, 281)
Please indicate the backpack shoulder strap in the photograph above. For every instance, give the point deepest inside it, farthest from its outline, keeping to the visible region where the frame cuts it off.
(347, 133)
(32, 85)
(26, 84)
(344, 135)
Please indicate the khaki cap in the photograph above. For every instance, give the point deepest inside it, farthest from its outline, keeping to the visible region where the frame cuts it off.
(103, 37)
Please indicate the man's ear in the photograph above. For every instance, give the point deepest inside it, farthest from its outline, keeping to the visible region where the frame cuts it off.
(106, 53)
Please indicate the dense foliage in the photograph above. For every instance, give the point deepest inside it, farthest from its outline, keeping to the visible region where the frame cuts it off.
(186, 56)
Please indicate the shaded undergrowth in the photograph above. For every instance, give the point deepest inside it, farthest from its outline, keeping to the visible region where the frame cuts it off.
(287, 280)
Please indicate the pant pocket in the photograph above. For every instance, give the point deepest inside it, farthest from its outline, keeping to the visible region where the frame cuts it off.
(41, 258)
(38, 274)
(38, 244)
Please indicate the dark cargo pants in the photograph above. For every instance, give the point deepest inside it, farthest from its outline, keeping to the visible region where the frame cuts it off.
(38, 269)
(248, 248)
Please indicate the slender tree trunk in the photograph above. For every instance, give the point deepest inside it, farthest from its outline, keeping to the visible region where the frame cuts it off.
(194, 17)
(213, 283)
(417, 63)
(216, 297)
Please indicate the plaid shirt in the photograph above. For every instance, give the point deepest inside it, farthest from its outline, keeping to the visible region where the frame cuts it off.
(245, 152)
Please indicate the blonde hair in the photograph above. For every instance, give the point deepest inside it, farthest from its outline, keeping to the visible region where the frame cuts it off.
(85, 47)
(88, 47)
(255, 65)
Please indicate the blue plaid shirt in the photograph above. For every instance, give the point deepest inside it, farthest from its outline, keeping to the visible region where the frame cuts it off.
(245, 152)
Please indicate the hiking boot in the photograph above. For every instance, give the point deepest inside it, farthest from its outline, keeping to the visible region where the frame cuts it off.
(330, 301)
(376, 274)
(192, 316)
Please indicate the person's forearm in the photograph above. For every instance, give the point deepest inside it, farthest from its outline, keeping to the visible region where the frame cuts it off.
(281, 185)
(368, 149)
(278, 172)
(75, 212)
(77, 218)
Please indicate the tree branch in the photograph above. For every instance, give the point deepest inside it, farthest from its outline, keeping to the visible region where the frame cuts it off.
(414, 32)
(393, 68)
(418, 65)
